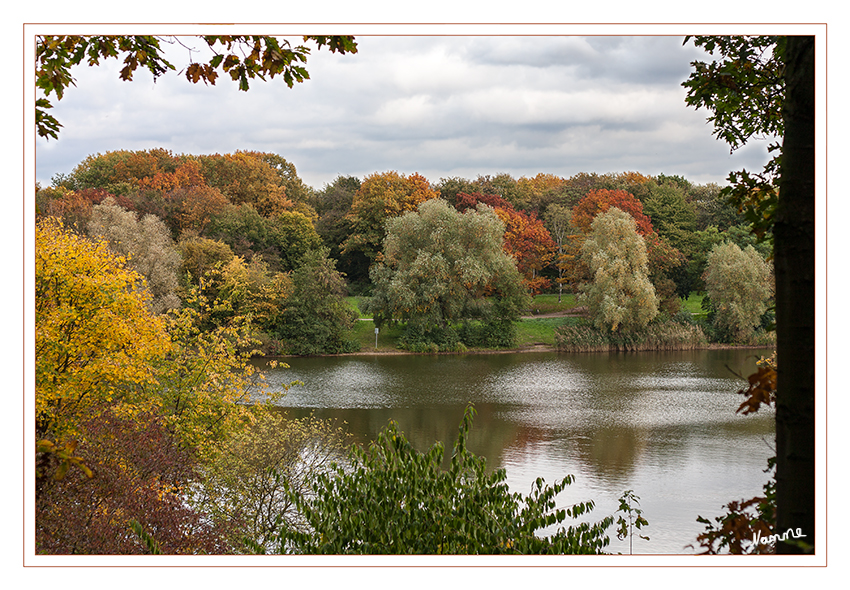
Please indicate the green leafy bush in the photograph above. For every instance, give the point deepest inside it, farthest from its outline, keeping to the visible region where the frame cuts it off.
(392, 499)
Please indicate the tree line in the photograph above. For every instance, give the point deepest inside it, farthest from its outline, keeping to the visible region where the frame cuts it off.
(245, 228)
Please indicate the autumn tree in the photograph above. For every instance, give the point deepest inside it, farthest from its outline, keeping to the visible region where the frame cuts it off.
(450, 187)
(121, 171)
(568, 240)
(502, 184)
(526, 238)
(599, 201)
(528, 242)
(739, 284)
(234, 291)
(382, 196)
(246, 178)
(538, 192)
(135, 501)
(96, 339)
(147, 244)
(440, 267)
(620, 296)
(241, 57)
(296, 190)
(194, 207)
(200, 255)
(765, 86)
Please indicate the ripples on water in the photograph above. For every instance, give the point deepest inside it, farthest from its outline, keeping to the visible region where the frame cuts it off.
(661, 424)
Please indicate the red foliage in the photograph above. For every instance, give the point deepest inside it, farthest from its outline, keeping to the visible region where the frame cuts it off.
(139, 472)
(599, 201)
(526, 238)
(529, 243)
(464, 201)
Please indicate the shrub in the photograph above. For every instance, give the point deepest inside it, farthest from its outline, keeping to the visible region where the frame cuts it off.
(392, 499)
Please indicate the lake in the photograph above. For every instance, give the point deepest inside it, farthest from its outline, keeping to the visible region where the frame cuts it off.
(661, 424)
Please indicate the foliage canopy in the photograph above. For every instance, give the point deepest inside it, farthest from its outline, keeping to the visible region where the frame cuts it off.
(620, 297)
(440, 266)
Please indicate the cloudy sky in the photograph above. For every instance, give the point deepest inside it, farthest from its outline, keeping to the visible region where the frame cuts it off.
(442, 106)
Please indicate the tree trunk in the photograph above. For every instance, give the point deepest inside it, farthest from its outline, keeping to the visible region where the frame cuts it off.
(794, 250)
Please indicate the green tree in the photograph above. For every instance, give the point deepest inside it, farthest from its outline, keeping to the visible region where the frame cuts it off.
(620, 296)
(382, 196)
(673, 217)
(766, 86)
(440, 267)
(240, 56)
(281, 239)
(738, 282)
(317, 319)
(743, 90)
(392, 499)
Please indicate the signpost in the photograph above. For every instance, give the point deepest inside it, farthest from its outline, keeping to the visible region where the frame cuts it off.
(376, 338)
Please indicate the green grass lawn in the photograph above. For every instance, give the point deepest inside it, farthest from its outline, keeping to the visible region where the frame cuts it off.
(364, 332)
(693, 304)
(540, 330)
(529, 332)
(354, 303)
(548, 303)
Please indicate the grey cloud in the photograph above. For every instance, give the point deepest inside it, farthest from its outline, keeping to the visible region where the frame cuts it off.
(484, 105)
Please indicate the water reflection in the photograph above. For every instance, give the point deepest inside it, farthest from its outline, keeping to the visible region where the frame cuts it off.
(661, 424)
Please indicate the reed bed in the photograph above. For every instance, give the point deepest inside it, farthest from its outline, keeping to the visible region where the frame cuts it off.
(667, 336)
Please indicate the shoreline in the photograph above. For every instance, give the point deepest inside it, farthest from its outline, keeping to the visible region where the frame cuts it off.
(521, 349)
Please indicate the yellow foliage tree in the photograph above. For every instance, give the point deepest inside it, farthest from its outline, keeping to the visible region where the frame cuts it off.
(383, 196)
(96, 340)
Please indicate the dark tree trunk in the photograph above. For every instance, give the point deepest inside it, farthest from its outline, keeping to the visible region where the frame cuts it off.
(794, 235)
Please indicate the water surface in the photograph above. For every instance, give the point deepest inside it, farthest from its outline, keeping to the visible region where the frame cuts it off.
(661, 424)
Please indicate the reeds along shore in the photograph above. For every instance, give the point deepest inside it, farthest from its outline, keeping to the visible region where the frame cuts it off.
(668, 336)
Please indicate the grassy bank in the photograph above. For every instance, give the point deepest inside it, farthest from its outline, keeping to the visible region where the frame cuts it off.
(546, 325)
(531, 331)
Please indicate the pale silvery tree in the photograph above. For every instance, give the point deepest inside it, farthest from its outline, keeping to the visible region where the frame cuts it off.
(620, 296)
(148, 246)
(739, 284)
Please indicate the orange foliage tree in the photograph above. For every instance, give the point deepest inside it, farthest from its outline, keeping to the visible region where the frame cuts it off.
(600, 200)
(383, 196)
(539, 191)
(246, 178)
(526, 239)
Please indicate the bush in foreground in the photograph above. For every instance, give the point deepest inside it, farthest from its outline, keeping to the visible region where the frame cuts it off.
(392, 499)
